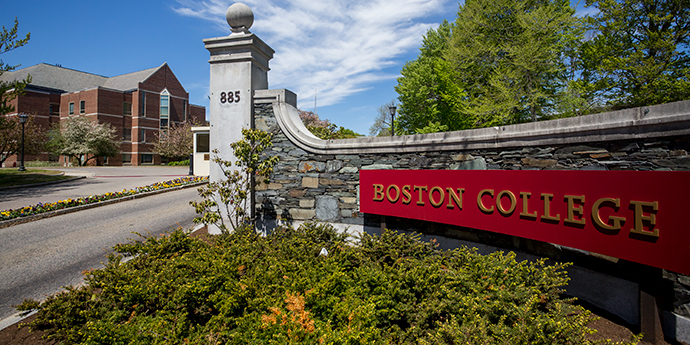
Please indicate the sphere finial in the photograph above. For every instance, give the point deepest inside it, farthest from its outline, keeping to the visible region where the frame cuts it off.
(240, 17)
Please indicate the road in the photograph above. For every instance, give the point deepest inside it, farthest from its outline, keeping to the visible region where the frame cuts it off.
(100, 180)
(39, 258)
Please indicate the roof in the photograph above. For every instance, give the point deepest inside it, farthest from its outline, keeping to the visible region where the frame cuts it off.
(68, 80)
(130, 81)
(54, 77)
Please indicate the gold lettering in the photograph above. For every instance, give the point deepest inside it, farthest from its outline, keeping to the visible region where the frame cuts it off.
(406, 194)
(479, 200)
(397, 193)
(597, 217)
(499, 205)
(431, 196)
(420, 201)
(572, 209)
(455, 197)
(378, 192)
(525, 211)
(547, 208)
(638, 227)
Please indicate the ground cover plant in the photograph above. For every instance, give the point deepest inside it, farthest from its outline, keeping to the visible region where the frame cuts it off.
(91, 199)
(311, 285)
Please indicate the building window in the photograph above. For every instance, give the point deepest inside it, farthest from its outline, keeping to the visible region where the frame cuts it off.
(142, 135)
(165, 111)
(202, 144)
(82, 107)
(142, 112)
(127, 108)
(146, 158)
(184, 109)
(126, 134)
(71, 108)
(54, 109)
(126, 158)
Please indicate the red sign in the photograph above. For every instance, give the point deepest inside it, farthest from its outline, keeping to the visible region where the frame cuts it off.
(638, 216)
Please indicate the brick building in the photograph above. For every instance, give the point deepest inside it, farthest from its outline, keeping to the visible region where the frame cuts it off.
(137, 104)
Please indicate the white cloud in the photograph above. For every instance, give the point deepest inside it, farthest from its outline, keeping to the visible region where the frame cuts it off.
(335, 47)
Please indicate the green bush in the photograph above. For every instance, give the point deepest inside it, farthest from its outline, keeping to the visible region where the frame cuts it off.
(242, 288)
(179, 163)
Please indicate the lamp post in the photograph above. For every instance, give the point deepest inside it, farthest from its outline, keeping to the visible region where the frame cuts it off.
(392, 110)
(22, 119)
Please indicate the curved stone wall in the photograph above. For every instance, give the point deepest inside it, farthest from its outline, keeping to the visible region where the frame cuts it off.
(319, 180)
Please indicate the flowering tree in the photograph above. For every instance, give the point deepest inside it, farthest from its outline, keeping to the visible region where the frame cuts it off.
(84, 140)
(11, 137)
(324, 129)
(233, 193)
(177, 142)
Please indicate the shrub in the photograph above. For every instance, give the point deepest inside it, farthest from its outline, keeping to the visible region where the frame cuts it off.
(228, 199)
(179, 163)
(242, 288)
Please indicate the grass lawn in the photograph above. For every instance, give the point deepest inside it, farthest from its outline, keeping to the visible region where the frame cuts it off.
(10, 177)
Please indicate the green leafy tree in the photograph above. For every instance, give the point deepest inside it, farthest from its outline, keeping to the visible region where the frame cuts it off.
(233, 193)
(177, 142)
(10, 129)
(83, 139)
(510, 57)
(9, 90)
(430, 91)
(639, 53)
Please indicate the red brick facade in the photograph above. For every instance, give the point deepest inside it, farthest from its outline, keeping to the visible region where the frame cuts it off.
(134, 113)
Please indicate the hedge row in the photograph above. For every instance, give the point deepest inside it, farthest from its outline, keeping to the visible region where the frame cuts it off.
(311, 286)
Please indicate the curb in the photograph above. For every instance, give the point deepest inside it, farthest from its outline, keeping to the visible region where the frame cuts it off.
(14, 319)
(31, 218)
(42, 183)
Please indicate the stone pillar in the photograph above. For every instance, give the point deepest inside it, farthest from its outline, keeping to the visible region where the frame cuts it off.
(239, 65)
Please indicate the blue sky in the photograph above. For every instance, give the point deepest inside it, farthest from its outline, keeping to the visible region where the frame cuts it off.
(347, 52)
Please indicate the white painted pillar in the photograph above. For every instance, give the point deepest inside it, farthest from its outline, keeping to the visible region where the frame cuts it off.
(239, 65)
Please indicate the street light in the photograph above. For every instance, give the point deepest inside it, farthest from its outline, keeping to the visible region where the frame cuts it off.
(392, 110)
(22, 119)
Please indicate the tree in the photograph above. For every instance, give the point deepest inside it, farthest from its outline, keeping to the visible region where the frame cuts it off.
(9, 90)
(638, 55)
(83, 139)
(382, 122)
(10, 128)
(11, 137)
(233, 193)
(510, 57)
(429, 90)
(177, 142)
(324, 129)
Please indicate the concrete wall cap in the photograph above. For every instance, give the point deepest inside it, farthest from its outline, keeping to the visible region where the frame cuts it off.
(663, 120)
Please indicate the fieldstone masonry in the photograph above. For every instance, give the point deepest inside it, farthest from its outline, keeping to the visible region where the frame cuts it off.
(308, 186)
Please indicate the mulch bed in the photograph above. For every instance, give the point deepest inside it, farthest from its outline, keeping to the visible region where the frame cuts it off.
(18, 335)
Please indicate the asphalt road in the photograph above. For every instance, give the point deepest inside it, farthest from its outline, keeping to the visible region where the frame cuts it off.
(99, 180)
(39, 258)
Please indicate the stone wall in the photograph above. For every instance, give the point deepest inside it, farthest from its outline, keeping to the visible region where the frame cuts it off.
(309, 186)
(322, 186)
